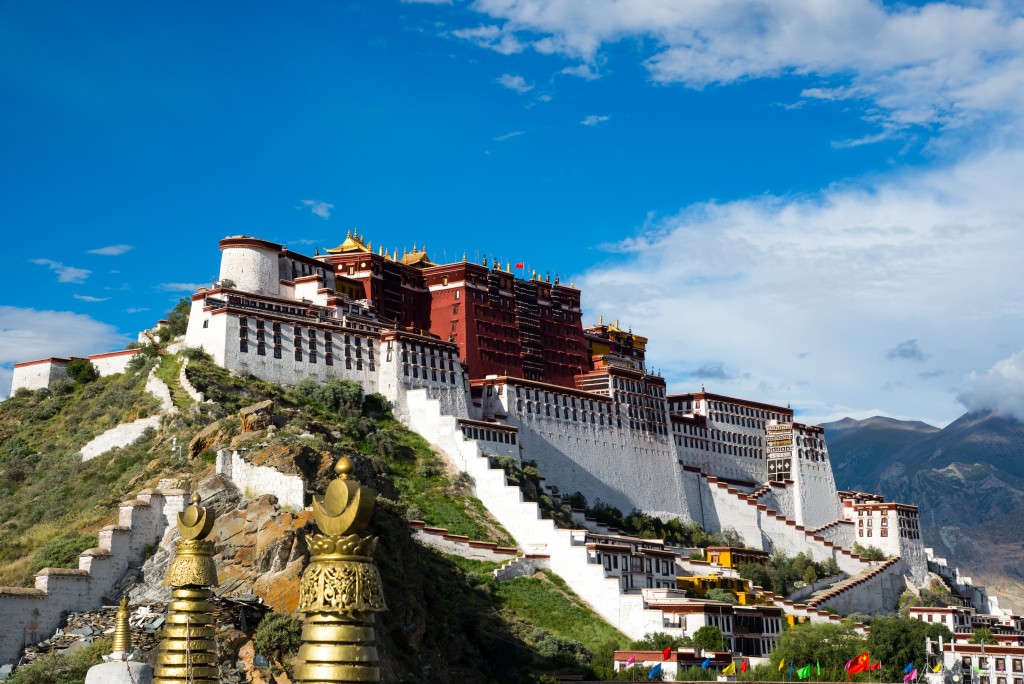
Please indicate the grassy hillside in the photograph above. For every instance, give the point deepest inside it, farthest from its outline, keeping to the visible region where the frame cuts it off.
(47, 495)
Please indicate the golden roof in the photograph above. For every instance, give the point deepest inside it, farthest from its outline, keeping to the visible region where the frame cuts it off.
(417, 258)
(352, 243)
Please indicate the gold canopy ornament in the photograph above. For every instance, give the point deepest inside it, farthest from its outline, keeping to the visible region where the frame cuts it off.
(188, 651)
(341, 587)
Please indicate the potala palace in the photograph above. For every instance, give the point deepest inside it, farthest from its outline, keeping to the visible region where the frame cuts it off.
(482, 361)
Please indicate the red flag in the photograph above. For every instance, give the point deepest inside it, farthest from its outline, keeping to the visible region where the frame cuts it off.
(876, 666)
(520, 265)
(859, 664)
(666, 653)
(743, 665)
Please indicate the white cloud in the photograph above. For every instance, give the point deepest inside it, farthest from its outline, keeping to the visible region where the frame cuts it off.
(941, 63)
(89, 298)
(65, 274)
(180, 287)
(1000, 389)
(136, 309)
(491, 37)
(110, 250)
(321, 209)
(514, 82)
(584, 71)
(595, 119)
(27, 334)
(508, 136)
(931, 258)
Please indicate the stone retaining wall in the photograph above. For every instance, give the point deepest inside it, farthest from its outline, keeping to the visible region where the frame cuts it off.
(30, 614)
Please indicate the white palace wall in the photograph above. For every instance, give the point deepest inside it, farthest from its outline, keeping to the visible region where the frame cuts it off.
(622, 467)
(817, 503)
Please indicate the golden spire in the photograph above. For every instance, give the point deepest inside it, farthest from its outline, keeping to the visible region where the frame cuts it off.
(188, 652)
(340, 588)
(463, 256)
(600, 319)
(394, 257)
(122, 629)
(414, 247)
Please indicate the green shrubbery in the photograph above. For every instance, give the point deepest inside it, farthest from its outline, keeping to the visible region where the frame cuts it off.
(278, 635)
(62, 551)
(55, 668)
(781, 573)
(82, 370)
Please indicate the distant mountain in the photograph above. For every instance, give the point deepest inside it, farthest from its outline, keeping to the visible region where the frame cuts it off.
(968, 479)
(861, 448)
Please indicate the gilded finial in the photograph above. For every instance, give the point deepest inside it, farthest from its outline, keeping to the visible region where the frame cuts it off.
(340, 588)
(193, 522)
(463, 257)
(122, 628)
(485, 261)
(343, 467)
(414, 247)
(348, 233)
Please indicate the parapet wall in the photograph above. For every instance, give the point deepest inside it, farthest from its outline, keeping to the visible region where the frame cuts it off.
(254, 481)
(30, 615)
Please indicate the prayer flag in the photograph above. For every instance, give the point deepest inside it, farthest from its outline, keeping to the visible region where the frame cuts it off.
(666, 653)
(937, 668)
(804, 672)
(791, 670)
(912, 677)
(876, 666)
(818, 664)
(743, 665)
(654, 670)
(782, 664)
(632, 659)
(729, 669)
(909, 667)
(848, 664)
(704, 665)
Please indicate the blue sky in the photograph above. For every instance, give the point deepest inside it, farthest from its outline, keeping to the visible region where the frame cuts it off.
(815, 203)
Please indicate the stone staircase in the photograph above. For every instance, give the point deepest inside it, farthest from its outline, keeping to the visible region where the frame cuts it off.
(782, 533)
(877, 589)
(567, 555)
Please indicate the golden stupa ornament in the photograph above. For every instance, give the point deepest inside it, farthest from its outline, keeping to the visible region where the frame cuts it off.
(341, 588)
(188, 652)
(122, 629)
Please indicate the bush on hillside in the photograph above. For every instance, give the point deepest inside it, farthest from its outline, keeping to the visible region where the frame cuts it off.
(82, 371)
(62, 551)
(278, 635)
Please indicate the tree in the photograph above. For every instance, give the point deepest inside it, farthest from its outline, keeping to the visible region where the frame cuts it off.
(869, 553)
(709, 638)
(898, 641)
(177, 321)
(829, 643)
(659, 641)
(82, 370)
(810, 575)
(982, 635)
